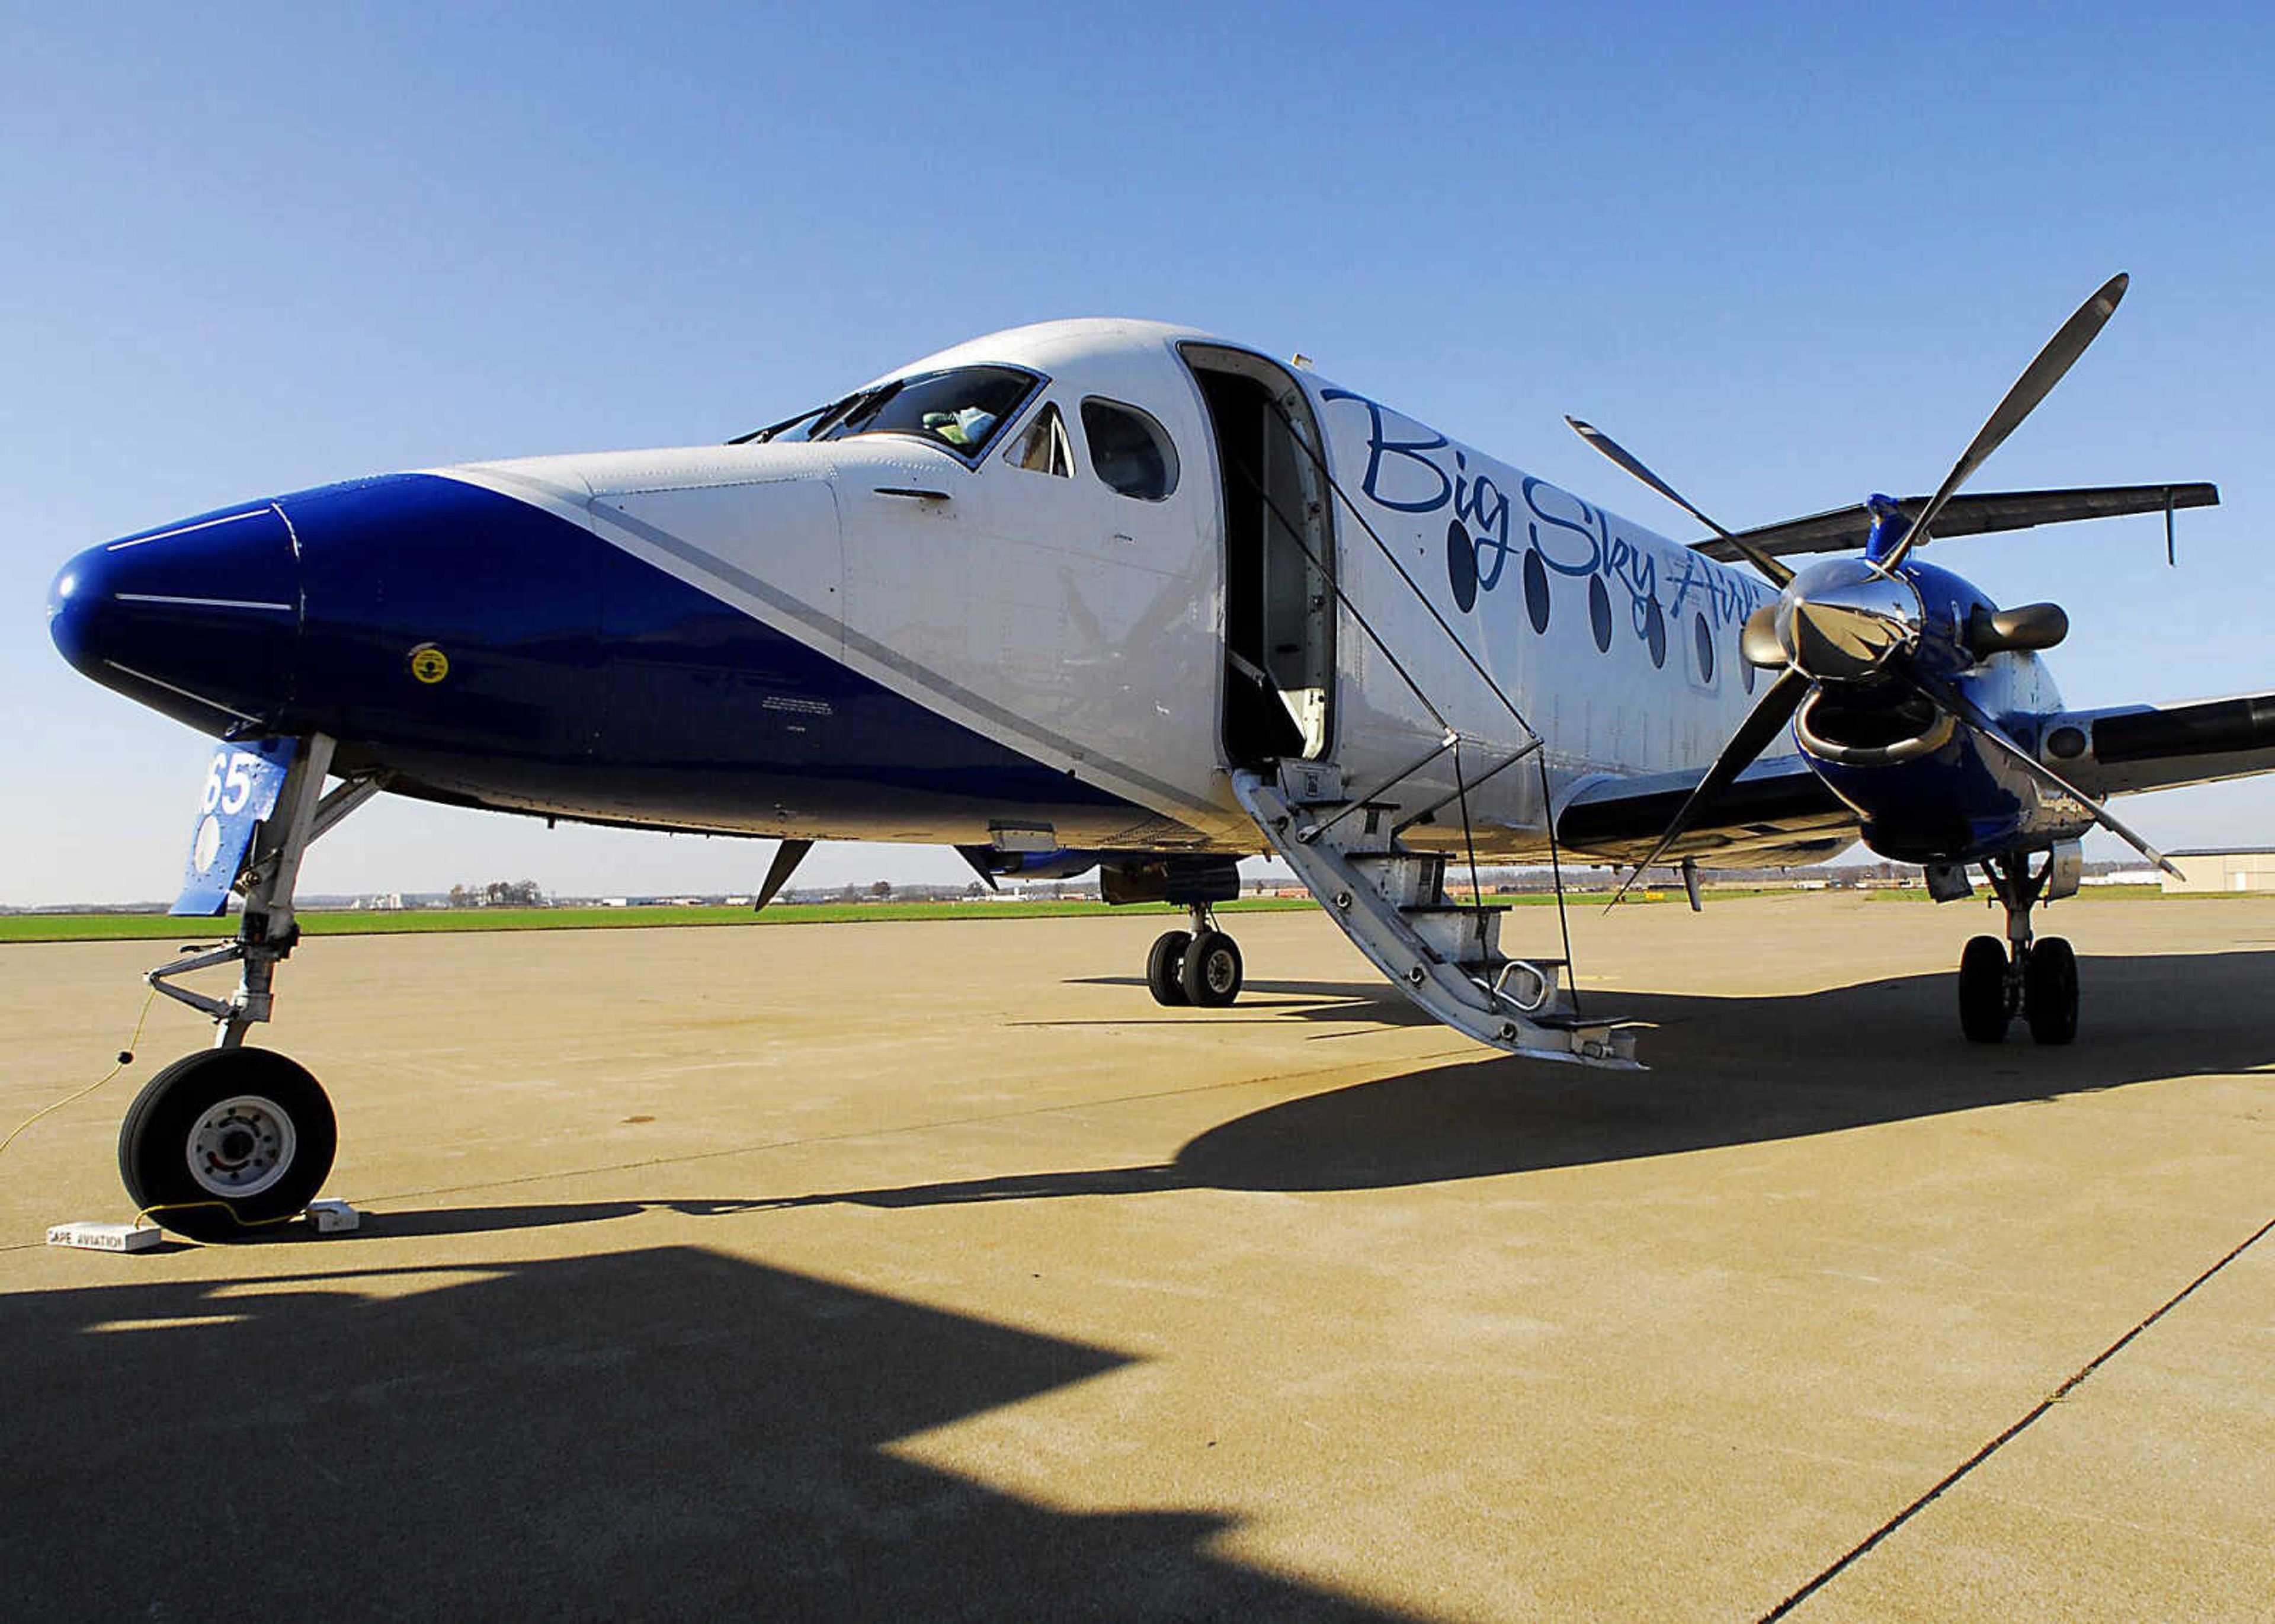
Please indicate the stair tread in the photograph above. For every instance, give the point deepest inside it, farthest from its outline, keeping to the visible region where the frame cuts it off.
(1449, 967)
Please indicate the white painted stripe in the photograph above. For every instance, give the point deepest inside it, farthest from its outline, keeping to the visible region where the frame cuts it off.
(203, 603)
(184, 530)
(144, 676)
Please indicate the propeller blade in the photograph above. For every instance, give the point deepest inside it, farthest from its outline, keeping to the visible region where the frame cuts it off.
(2061, 352)
(1762, 724)
(1959, 704)
(788, 855)
(1778, 574)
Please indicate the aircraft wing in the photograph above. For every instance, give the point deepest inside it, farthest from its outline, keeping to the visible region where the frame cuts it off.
(1778, 813)
(1846, 529)
(2133, 747)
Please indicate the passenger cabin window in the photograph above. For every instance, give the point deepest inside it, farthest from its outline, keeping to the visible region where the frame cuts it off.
(1044, 449)
(1129, 449)
(962, 409)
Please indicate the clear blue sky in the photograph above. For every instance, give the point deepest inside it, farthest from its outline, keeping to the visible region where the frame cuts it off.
(1790, 254)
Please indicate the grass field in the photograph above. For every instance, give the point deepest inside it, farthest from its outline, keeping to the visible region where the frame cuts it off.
(33, 927)
(157, 927)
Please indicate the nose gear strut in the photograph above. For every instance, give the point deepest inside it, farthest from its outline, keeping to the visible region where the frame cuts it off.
(223, 1143)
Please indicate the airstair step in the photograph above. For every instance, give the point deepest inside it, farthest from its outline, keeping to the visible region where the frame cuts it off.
(1359, 828)
(1455, 933)
(1402, 878)
(1443, 955)
(1565, 1021)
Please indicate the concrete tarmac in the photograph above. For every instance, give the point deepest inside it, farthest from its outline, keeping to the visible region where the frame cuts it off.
(930, 1270)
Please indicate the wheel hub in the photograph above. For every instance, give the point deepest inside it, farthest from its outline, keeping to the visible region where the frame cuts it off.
(241, 1146)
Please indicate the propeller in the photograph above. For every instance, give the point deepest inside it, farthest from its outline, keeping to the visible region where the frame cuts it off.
(2060, 353)
(1763, 723)
(1860, 619)
(1956, 704)
(1777, 573)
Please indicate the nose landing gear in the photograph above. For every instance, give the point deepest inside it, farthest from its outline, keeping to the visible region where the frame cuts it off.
(228, 1142)
(2034, 979)
(1200, 966)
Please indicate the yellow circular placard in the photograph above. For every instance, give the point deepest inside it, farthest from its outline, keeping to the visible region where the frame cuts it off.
(429, 664)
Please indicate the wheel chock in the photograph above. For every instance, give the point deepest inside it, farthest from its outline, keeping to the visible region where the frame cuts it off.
(324, 1217)
(107, 1237)
(333, 1218)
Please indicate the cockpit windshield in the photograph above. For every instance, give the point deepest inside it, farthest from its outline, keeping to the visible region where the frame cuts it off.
(963, 409)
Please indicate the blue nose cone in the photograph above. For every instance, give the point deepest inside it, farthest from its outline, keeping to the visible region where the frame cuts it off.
(199, 619)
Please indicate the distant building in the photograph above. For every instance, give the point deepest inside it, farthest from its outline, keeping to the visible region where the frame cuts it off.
(2231, 868)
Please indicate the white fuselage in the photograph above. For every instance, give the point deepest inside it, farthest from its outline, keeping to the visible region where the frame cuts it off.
(1086, 629)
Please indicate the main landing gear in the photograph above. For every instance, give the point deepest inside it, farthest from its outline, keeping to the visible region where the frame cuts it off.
(225, 1144)
(2035, 979)
(1200, 966)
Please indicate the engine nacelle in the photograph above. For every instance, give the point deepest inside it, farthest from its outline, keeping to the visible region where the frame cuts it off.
(1925, 788)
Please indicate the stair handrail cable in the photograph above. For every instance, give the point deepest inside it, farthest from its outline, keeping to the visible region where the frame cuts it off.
(1547, 804)
(1452, 737)
(1556, 878)
(1469, 843)
(1440, 805)
(1319, 461)
(1532, 742)
(1311, 836)
(1336, 587)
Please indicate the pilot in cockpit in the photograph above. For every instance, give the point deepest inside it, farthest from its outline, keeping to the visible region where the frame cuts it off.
(967, 426)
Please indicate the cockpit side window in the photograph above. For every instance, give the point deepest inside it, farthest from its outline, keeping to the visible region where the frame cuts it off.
(1129, 450)
(1044, 447)
(962, 409)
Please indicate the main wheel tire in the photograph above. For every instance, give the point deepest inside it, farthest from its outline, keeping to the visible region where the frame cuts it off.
(2050, 991)
(227, 1143)
(1165, 967)
(1983, 1011)
(1212, 969)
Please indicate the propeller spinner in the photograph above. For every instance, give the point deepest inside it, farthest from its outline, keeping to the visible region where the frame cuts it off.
(1843, 619)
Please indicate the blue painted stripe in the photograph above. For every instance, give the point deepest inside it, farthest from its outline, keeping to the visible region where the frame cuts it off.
(584, 681)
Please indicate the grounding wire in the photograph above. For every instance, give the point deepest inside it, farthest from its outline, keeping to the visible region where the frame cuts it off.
(125, 1059)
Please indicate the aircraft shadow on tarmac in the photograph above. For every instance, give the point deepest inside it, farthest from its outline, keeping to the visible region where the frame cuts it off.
(659, 1433)
(673, 1432)
(1725, 1071)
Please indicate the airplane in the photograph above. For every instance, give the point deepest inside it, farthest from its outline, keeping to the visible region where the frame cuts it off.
(1114, 594)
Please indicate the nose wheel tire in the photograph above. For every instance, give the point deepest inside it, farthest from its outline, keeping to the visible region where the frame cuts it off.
(226, 1143)
(1211, 973)
(2050, 990)
(1983, 1010)
(1165, 967)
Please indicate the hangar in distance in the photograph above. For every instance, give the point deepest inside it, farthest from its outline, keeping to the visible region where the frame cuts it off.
(1122, 595)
